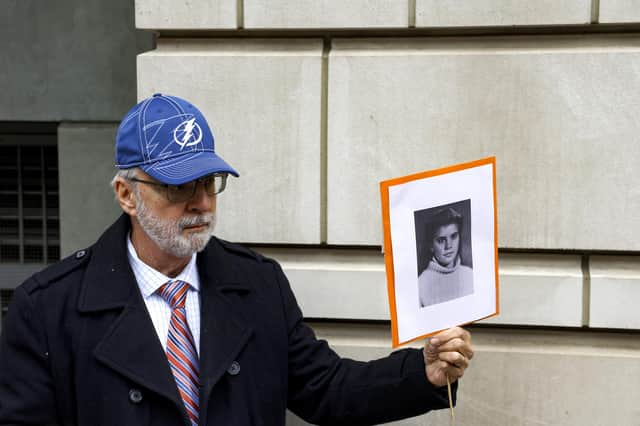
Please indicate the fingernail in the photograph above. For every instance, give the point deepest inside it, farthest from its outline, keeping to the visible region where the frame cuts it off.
(434, 342)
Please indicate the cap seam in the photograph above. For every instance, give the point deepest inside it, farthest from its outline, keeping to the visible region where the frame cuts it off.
(142, 163)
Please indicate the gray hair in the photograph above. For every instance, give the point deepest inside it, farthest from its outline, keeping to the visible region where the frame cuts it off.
(124, 174)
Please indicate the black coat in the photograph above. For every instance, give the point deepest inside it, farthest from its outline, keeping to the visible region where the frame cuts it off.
(79, 348)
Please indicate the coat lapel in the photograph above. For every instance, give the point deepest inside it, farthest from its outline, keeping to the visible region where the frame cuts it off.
(130, 346)
(224, 331)
(132, 349)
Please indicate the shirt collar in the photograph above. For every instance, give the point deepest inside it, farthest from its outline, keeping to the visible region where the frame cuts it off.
(150, 280)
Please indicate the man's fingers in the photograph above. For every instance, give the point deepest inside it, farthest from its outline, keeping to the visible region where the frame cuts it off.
(456, 345)
(454, 339)
(439, 370)
(455, 359)
(449, 334)
(453, 373)
(447, 354)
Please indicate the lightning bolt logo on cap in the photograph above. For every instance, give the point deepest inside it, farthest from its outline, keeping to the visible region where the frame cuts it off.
(188, 133)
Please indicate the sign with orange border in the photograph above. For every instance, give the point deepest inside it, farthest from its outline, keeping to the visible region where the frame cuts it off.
(441, 248)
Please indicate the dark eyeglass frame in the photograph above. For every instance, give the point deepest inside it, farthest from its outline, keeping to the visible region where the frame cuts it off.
(171, 191)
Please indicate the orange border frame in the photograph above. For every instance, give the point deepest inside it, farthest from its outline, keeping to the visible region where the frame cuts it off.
(388, 249)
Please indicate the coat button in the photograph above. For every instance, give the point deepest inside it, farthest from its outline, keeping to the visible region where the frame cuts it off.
(234, 368)
(80, 254)
(135, 396)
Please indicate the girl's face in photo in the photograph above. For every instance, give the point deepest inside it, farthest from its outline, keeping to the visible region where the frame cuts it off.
(445, 244)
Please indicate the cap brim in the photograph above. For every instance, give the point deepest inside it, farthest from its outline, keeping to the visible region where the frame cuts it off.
(185, 168)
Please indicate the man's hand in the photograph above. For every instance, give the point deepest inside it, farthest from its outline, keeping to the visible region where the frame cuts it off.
(448, 353)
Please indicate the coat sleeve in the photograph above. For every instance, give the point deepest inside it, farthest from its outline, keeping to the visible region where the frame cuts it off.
(26, 386)
(327, 389)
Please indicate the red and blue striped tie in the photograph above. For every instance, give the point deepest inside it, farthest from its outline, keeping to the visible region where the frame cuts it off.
(181, 348)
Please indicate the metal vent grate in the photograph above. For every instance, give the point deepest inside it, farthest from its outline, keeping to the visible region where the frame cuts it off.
(29, 223)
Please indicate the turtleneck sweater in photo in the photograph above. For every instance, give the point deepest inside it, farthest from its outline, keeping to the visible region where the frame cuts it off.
(437, 283)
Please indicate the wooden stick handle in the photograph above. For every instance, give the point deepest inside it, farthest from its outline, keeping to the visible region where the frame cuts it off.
(450, 399)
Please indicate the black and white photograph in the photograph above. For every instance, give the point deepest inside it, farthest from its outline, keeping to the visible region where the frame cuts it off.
(440, 248)
(443, 247)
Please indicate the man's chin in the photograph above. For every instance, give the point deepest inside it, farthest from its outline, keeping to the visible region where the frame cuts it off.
(187, 248)
(199, 240)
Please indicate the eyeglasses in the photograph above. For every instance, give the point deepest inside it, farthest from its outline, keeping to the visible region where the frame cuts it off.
(213, 184)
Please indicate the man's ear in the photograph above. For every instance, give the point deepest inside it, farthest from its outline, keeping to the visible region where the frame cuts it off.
(125, 195)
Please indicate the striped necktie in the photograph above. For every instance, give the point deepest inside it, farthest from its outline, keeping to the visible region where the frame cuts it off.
(181, 349)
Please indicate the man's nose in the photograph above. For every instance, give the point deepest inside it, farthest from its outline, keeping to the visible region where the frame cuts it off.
(201, 201)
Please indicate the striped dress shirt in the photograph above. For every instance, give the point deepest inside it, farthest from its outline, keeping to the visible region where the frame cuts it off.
(149, 281)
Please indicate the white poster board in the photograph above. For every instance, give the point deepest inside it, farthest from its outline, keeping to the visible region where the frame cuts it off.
(441, 248)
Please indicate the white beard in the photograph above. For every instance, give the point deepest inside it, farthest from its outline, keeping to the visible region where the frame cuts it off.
(167, 233)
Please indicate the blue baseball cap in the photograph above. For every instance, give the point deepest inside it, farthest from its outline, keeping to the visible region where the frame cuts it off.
(170, 140)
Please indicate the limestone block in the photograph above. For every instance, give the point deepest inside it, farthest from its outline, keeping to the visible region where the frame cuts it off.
(615, 291)
(86, 167)
(548, 108)
(326, 13)
(186, 14)
(262, 101)
(346, 284)
(619, 11)
(453, 13)
(522, 377)
(351, 284)
(540, 290)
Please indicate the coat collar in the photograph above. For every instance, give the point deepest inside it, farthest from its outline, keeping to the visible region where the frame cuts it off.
(109, 284)
(109, 281)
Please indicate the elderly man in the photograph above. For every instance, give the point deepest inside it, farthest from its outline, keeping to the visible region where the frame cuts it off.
(160, 323)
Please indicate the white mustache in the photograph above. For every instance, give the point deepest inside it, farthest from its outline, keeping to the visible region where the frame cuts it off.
(195, 220)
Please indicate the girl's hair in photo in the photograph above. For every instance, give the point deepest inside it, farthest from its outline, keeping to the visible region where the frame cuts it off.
(444, 217)
(429, 220)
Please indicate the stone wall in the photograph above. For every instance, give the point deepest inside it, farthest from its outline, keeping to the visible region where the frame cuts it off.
(72, 63)
(315, 102)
